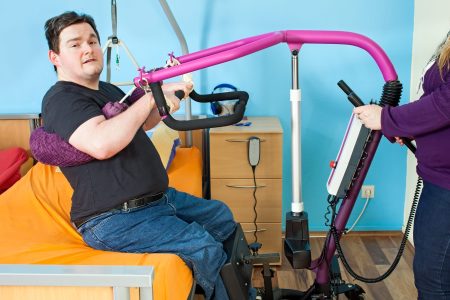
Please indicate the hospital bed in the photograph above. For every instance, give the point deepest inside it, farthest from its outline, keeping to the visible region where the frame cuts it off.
(42, 256)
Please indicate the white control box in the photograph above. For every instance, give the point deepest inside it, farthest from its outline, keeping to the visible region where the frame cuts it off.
(347, 160)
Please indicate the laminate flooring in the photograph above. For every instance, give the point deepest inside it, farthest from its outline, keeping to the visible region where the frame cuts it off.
(369, 255)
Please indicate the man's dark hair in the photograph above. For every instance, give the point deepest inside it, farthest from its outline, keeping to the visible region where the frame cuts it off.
(55, 25)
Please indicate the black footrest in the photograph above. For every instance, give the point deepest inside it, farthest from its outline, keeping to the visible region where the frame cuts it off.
(269, 258)
(298, 252)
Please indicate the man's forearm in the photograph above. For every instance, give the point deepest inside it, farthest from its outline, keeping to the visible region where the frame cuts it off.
(103, 139)
(152, 120)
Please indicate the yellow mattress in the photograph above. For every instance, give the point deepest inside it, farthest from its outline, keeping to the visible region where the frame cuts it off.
(36, 229)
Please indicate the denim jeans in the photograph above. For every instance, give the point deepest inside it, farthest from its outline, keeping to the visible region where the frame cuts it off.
(432, 243)
(190, 227)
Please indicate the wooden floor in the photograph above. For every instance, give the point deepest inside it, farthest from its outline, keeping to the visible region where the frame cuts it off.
(369, 255)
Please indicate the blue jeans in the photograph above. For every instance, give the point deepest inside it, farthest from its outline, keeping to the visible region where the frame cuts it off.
(190, 227)
(432, 243)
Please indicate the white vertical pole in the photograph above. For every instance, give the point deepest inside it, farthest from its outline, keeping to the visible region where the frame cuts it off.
(295, 97)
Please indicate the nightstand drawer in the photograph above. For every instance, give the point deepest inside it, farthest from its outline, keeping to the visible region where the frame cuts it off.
(269, 235)
(238, 195)
(229, 155)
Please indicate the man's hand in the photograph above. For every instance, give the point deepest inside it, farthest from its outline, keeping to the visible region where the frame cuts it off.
(169, 90)
(172, 101)
(177, 86)
(370, 115)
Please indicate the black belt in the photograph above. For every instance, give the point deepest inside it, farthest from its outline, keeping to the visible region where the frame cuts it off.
(133, 203)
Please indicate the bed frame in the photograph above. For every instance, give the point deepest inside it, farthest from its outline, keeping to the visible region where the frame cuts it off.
(52, 282)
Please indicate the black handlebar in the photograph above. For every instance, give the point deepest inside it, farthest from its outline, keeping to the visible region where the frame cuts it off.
(239, 109)
(356, 101)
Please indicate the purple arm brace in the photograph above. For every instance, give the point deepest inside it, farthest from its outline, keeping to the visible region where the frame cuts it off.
(51, 149)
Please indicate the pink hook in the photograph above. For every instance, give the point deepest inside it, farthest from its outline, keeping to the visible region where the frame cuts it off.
(171, 56)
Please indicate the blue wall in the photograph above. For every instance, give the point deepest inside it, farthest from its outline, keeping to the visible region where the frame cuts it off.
(26, 73)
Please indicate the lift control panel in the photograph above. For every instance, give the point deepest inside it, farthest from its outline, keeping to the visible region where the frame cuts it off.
(346, 163)
(351, 151)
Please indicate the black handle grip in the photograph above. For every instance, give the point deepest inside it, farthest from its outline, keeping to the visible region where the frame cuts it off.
(239, 109)
(160, 100)
(408, 143)
(354, 99)
(236, 95)
(179, 94)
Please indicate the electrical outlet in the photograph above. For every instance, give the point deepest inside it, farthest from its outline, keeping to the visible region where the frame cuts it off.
(367, 191)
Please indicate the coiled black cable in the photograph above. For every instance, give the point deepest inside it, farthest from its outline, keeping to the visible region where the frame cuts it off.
(400, 250)
(331, 209)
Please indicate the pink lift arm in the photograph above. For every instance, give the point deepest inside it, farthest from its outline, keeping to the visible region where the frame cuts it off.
(294, 38)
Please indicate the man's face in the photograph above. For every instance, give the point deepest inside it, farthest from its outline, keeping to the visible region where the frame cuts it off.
(80, 57)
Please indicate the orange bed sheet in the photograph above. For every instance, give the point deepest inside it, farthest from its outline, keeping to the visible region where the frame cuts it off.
(185, 172)
(36, 229)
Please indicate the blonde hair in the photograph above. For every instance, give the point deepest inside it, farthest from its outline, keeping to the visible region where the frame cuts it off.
(442, 55)
(443, 59)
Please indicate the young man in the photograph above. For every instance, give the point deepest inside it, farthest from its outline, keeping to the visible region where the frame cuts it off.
(121, 200)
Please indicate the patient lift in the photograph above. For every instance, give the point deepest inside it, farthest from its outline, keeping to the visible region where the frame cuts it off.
(352, 164)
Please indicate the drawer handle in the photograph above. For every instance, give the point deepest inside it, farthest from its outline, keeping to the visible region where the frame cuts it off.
(245, 186)
(254, 230)
(241, 140)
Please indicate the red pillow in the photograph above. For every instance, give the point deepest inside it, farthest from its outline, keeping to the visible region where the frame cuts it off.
(11, 160)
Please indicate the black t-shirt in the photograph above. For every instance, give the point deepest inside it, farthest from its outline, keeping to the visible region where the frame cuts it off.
(100, 185)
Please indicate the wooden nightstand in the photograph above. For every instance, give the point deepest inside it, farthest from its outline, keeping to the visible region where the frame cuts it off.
(232, 177)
